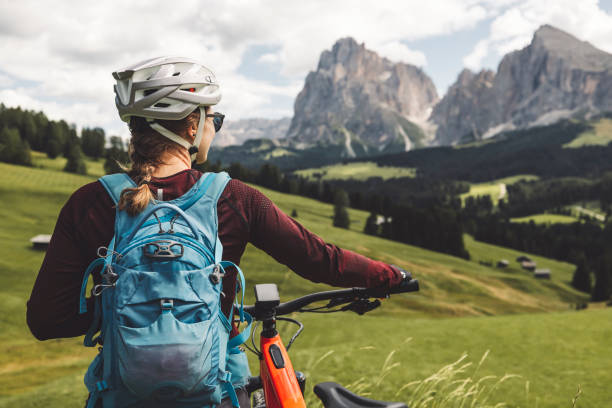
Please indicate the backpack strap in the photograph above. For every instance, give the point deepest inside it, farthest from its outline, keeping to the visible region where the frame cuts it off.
(217, 185)
(244, 316)
(115, 184)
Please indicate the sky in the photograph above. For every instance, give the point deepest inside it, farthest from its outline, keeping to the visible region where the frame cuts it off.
(58, 56)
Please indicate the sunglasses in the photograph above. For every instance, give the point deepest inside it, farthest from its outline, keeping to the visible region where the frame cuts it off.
(217, 121)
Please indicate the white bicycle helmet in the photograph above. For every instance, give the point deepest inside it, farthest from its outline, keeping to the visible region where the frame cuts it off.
(167, 88)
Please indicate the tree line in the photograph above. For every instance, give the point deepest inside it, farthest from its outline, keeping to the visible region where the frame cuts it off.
(435, 225)
(23, 130)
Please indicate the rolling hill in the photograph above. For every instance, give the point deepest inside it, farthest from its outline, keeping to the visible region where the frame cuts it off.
(528, 324)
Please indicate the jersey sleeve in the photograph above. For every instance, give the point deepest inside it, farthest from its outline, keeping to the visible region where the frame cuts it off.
(288, 242)
(53, 307)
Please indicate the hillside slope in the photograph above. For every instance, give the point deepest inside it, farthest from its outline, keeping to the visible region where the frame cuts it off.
(50, 373)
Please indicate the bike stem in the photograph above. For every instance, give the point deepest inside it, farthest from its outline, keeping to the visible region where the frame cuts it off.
(268, 324)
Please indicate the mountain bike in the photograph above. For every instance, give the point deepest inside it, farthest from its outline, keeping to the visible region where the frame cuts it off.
(282, 386)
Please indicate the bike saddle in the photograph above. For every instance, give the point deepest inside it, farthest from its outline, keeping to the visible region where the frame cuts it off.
(335, 396)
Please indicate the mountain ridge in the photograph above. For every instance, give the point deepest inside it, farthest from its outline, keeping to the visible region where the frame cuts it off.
(555, 77)
(369, 105)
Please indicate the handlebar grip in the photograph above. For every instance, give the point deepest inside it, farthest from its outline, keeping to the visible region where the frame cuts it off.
(411, 285)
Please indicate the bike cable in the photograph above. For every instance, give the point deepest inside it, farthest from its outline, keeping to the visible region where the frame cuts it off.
(297, 333)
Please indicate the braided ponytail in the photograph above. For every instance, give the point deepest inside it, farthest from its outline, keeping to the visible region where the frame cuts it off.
(147, 149)
(134, 200)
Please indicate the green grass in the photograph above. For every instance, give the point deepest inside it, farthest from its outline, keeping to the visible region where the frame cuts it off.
(547, 219)
(278, 152)
(355, 171)
(600, 135)
(590, 209)
(500, 310)
(496, 188)
(39, 159)
(561, 272)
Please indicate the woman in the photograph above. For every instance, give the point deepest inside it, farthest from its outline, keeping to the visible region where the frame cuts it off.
(167, 104)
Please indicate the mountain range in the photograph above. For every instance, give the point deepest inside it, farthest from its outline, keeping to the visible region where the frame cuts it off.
(363, 104)
(239, 131)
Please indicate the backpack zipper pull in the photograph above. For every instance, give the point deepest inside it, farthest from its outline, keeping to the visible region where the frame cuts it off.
(216, 275)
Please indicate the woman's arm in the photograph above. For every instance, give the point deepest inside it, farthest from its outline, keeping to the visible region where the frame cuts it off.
(305, 253)
(84, 221)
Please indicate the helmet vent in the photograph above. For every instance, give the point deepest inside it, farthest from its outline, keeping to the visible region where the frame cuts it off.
(148, 92)
(176, 74)
(161, 105)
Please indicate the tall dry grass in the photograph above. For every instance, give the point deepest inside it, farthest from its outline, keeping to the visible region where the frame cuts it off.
(455, 385)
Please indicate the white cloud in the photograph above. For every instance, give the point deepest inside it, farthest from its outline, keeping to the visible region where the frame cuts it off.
(398, 52)
(68, 49)
(473, 60)
(269, 58)
(513, 28)
(5, 81)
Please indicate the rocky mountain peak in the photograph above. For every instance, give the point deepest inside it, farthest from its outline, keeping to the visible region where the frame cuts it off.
(342, 51)
(580, 54)
(556, 76)
(363, 101)
(465, 77)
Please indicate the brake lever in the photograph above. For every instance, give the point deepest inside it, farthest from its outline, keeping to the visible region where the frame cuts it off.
(339, 301)
(362, 306)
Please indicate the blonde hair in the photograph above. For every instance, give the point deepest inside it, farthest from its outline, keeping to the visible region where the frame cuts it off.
(147, 148)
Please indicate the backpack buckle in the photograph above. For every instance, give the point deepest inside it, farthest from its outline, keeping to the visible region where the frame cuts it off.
(166, 304)
(163, 249)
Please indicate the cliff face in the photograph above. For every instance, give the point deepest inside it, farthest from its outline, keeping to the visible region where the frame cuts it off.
(363, 101)
(555, 77)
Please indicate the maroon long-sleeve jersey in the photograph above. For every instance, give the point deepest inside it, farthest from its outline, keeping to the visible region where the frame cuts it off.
(86, 222)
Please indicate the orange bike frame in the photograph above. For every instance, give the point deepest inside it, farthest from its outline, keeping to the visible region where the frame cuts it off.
(281, 388)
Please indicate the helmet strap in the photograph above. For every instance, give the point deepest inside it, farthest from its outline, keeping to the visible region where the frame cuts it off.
(192, 148)
(195, 147)
(166, 133)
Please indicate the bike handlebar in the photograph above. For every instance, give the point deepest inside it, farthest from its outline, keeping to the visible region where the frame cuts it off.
(408, 285)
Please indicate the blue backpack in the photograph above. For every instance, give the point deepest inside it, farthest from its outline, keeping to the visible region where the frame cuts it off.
(164, 338)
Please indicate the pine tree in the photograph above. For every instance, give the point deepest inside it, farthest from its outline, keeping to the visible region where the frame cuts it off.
(371, 226)
(341, 217)
(12, 148)
(602, 288)
(28, 129)
(54, 142)
(93, 142)
(75, 163)
(116, 156)
(582, 276)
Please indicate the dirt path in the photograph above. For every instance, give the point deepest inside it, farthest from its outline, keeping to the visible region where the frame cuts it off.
(502, 191)
(597, 216)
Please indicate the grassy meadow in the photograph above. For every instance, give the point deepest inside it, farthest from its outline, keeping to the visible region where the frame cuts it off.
(547, 219)
(496, 189)
(599, 135)
(356, 171)
(525, 327)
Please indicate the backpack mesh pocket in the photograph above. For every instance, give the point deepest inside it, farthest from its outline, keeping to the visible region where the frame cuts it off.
(169, 333)
(169, 357)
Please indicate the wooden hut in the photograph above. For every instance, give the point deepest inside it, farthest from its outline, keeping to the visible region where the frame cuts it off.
(541, 274)
(503, 263)
(528, 265)
(41, 242)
